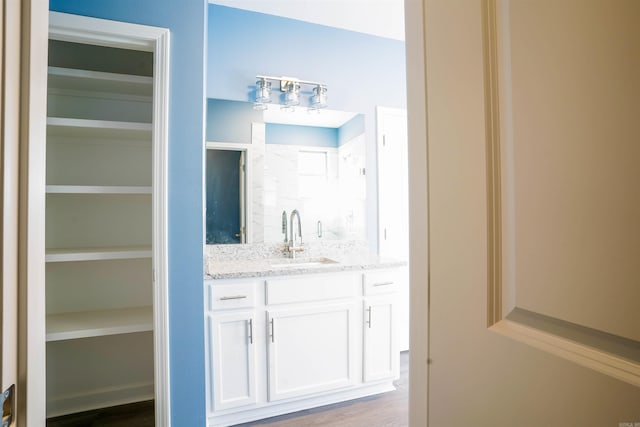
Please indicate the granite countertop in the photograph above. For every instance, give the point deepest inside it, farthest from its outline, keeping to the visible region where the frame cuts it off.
(246, 267)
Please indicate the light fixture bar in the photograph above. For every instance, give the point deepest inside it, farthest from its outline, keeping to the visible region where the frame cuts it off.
(283, 80)
(290, 87)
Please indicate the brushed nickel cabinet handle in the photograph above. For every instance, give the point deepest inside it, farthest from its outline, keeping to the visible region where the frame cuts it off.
(383, 284)
(250, 331)
(225, 298)
(369, 318)
(273, 336)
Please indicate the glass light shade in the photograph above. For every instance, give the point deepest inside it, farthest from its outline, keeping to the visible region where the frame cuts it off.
(319, 98)
(263, 91)
(292, 94)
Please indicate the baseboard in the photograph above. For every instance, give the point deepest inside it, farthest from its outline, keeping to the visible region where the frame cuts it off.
(268, 410)
(98, 398)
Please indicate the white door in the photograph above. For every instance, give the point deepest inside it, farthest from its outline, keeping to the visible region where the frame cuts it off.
(233, 360)
(393, 204)
(380, 359)
(530, 266)
(311, 349)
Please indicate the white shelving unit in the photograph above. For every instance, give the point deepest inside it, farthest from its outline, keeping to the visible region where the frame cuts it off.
(97, 189)
(97, 323)
(98, 237)
(97, 128)
(61, 78)
(97, 254)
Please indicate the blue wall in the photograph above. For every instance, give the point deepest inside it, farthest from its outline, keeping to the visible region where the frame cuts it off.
(360, 70)
(351, 129)
(301, 135)
(186, 19)
(230, 121)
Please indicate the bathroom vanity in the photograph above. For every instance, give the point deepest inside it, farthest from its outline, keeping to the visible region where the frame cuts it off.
(284, 335)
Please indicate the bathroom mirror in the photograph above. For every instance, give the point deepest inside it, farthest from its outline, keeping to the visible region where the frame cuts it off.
(278, 161)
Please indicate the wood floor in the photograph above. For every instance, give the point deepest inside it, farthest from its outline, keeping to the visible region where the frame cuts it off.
(139, 414)
(385, 410)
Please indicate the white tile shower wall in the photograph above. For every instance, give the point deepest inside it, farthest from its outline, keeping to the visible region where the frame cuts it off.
(283, 190)
(256, 217)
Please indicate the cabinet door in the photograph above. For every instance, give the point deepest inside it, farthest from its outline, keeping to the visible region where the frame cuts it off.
(311, 349)
(381, 356)
(232, 360)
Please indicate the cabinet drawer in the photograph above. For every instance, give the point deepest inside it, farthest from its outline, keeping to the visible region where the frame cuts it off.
(223, 296)
(379, 282)
(305, 288)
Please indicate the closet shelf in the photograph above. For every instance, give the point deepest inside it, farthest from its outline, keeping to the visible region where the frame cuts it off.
(64, 126)
(86, 324)
(97, 254)
(97, 189)
(98, 81)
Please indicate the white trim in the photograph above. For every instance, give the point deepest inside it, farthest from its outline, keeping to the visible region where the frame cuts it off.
(9, 190)
(248, 149)
(419, 220)
(101, 32)
(160, 229)
(31, 250)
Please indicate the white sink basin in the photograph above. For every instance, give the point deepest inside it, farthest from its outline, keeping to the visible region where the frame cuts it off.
(303, 263)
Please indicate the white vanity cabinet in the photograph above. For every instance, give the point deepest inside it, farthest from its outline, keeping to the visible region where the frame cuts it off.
(312, 334)
(286, 343)
(381, 356)
(231, 341)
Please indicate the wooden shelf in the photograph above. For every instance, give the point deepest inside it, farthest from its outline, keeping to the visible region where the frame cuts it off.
(97, 254)
(97, 189)
(86, 324)
(97, 81)
(62, 126)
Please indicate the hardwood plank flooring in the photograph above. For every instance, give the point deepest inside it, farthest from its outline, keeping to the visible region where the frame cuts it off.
(139, 414)
(384, 410)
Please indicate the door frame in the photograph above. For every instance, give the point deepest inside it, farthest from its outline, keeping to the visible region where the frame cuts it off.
(246, 184)
(419, 222)
(82, 29)
(14, 63)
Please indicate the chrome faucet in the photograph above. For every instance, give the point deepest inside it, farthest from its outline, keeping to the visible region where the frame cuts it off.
(293, 248)
(284, 226)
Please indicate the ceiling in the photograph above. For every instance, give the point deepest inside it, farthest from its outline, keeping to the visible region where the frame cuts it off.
(384, 18)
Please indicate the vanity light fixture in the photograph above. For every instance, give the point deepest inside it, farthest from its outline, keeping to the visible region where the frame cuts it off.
(263, 93)
(291, 90)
